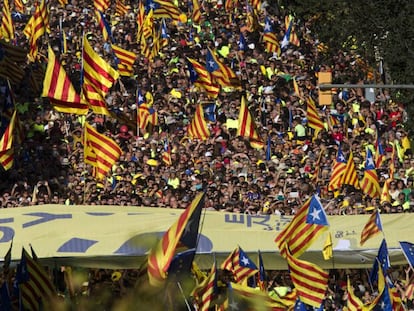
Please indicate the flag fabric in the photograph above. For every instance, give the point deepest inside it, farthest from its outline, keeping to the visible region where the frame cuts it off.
(63, 2)
(269, 148)
(327, 251)
(36, 288)
(5, 299)
(262, 279)
(304, 228)
(166, 155)
(379, 152)
(241, 297)
(247, 127)
(196, 12)
(408, 250)
(221, 73)
(372, 227)
(290, 34)
(239, 264)
(310, 281)
(7, 108)
(181, 235)
(382, 259)
(350, 177)
(7, 27)
(198, 128)
(124, 60)
(205, 292)
(385, 195)
(164, 36)
(202, 78)
(353, 302)
(104, 26)
(59, 89)
(101, 5)
(210, 112)
(121, 9)
(383, 301)
(140, 20)
(100, 151)
(18, 6)
(37, 25)
(7, 260)
(242, 44)
(270, 38)
(6, 145)
(164, 9)
(369, 183)
(98, 78)
(314, 120)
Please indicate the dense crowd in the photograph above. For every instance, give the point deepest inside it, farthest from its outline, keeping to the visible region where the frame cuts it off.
(49, 165)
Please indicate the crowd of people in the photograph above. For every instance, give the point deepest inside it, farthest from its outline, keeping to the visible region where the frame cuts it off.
(49, 166)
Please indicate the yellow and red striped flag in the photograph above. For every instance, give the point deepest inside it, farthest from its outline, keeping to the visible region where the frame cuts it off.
(247, 127)
(204, 293)
(198, 128)
(165, 9)
(98, 78)
(240, 265)
(7, 27)
(369, 183)
(101, 5)
(304, 228)
(372, 227)
(125, 60)
(63, 2)
(166, 154)
(353, 302)
(37, 25)
(350, 176)
(201, 78)
(310, 281)
(314, 120)
(196, 13)
(222, 73)
(36, 287)
(104, 26)
(6, 144)
(121, 8)
(59, 89)
(100, 151)
(180, 236)
(140, 19)
(335, 181)
(18, 6)
(270, 39)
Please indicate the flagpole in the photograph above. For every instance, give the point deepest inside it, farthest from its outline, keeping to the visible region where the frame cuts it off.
(182, 293)
(137, 103)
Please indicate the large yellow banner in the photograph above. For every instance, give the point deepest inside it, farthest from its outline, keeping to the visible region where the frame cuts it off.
(119, 237)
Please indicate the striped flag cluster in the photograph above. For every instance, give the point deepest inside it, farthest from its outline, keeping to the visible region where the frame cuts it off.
(198, 128)
(202, 78)
(7, 27)
(98, 78)
(369, 183)
(239, 264)
(181, 235)
(36, 288)
(270, 38)
(37, 25)
(166, 154)
(100, 151)
(59, 89)
(12, 62)
(247, 127)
